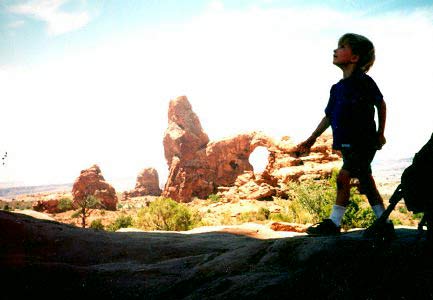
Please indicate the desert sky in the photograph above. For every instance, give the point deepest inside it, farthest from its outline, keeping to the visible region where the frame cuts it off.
(85, 82)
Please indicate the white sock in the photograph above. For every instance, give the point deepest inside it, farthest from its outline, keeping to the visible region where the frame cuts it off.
(378, 210)
(337, 214)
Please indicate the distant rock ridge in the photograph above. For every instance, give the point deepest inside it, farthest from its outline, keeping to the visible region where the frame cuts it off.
(92, 183)
(198, 167)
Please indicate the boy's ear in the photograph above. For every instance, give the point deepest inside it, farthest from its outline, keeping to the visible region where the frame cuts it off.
(354, 58)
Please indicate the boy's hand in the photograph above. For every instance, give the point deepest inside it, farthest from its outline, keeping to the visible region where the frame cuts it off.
(305, 146)
(381, 140)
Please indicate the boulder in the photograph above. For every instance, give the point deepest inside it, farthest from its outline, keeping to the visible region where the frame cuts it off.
(92, 183)
(49, 206)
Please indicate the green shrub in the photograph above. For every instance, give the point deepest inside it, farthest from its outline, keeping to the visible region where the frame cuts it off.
(97, 224)
(358, 213)
(417, 216)
(292, 211)
(122, 221)
(166, 214)
(397, 222)
(316, 197)
(76, 214)
(281, 217)
(252, 216)
(311, 201)
(65, 204)
(214, 197)
(403, 209)
(264, 213)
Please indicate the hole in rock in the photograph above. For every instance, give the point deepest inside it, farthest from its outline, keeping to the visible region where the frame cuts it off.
(259, 159)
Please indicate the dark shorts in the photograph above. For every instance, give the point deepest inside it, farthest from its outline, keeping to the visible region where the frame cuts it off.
(358, 162)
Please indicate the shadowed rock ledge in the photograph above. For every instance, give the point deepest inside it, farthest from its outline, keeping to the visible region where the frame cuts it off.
(40, 258)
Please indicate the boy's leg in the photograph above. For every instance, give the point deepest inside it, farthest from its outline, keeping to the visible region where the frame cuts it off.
(369, 189)
(366, 180)
(343, 194)
(343, 188)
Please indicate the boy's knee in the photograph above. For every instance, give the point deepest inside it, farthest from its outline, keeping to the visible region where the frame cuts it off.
(366, 184)
(343, 179)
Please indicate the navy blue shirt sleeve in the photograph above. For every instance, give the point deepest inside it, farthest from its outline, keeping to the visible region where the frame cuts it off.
(373, 91)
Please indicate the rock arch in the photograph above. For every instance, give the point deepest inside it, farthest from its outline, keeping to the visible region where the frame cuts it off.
(197, 166)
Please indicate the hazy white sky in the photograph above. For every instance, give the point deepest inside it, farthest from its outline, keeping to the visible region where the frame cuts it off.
(86, 82)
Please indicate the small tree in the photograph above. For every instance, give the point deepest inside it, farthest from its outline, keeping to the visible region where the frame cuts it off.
(85, 207)
(65, 204)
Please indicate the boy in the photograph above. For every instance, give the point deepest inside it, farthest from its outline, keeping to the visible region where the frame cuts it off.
(350, 113)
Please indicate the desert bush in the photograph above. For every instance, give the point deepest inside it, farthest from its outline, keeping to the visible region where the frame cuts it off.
(253, 216)
(402, 209)
(214, 197)
(65, 204)
(123, 221)
(311, 201)
(97, 224)
(264, 213)
(166, 214)
(417, 216)
(358, 212)
(291, 211)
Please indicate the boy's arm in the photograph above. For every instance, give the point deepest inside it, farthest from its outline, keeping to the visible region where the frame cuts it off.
(381, 114)
(305, 146)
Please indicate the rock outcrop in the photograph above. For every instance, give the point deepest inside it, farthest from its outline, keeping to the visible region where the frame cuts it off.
(196, 166)
(147, 184)
(95, 264)
(199, 167)
(49, 206)
(92, 183)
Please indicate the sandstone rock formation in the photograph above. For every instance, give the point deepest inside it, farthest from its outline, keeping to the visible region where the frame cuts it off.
(49, 206)
(198, 167)
(81, 263)
(92, 183)
(147, 184)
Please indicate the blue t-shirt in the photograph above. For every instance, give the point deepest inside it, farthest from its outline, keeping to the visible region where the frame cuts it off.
(351, 112)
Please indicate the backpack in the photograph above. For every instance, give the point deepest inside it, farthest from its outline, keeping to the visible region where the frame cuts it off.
(417, 181)
(416, 189)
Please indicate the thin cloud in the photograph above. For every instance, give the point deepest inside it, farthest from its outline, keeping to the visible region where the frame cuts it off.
(16, 24)
(50, 11)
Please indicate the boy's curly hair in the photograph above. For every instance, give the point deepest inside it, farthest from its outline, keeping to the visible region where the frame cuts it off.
(362, 47)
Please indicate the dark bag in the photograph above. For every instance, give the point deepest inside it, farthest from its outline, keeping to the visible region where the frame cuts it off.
(416, 189)
(417, 181)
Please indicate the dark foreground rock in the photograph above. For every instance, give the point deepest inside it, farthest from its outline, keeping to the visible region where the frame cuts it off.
(46, 259)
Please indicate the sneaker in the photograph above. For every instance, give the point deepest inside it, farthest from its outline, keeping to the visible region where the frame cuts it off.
(326, 227)
(381, 231)
(389, 231)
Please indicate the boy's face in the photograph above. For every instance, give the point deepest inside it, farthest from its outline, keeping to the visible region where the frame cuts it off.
(343, 55)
